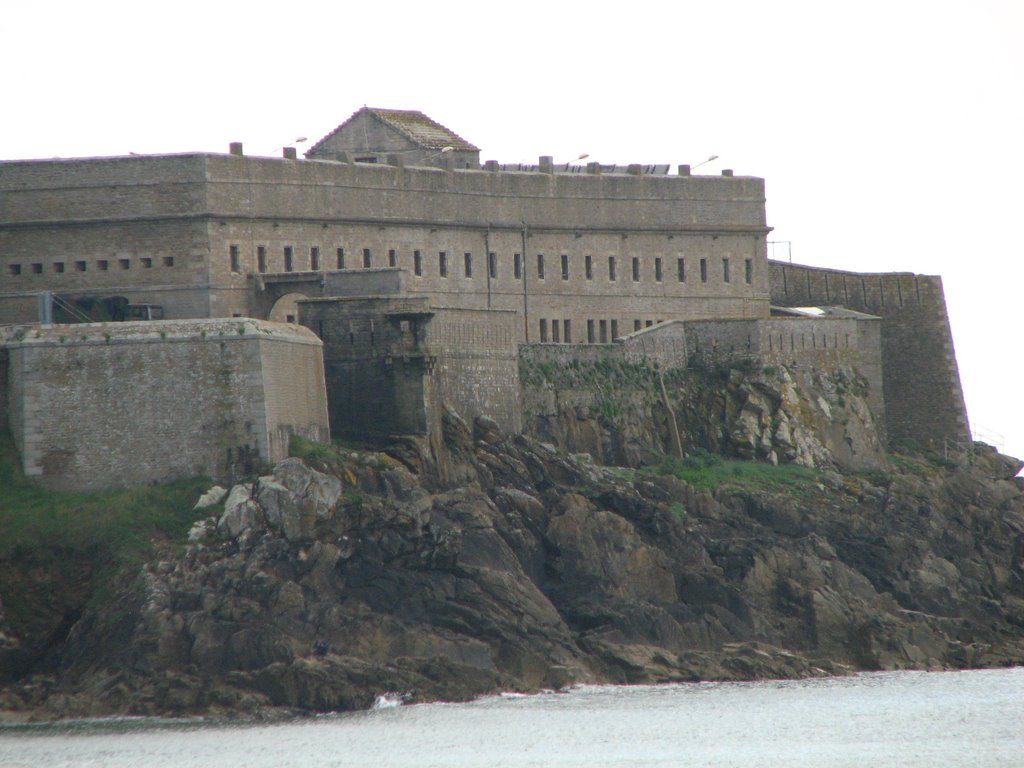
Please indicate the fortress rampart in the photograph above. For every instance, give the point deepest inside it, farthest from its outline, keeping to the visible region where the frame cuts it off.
(921, 381)
(103, 404)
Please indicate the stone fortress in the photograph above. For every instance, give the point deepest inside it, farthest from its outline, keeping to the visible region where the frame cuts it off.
(390, 272)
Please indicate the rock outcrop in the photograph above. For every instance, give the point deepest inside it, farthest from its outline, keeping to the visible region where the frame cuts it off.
(330, 582)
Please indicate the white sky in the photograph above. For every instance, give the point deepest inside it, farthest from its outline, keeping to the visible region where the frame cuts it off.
(890, 132)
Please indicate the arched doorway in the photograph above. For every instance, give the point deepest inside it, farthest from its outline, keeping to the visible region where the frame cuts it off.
(286, 308)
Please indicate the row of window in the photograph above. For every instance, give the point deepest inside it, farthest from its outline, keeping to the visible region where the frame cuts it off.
(443, 264)
(560, 331)
(81, 265)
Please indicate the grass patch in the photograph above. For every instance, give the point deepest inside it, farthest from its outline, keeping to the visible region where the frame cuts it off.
(113, 528)
(310, 450)
(707, 471)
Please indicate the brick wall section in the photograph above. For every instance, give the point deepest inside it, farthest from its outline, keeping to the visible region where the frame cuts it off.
(921, 380)
(129, 403)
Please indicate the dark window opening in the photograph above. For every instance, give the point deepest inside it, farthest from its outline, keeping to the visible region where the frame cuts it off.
(492, 264)
(103, 265)
(603, 325)
(468, 262)
(748, 271)
(543, 331)
(681, 267)
(565, 266)
(611, 268)
(81, 266)
(567, 331)
(234, 258)
(555, 332)
(588, 267)
(590, 331)
(392, 258)
(37, 269)
(517, 266)
(637, 325)
(703, 270)
(14, 269)
(636, 270)
(261, 258)
(341, 258)
(147, 263)
(540, 266)
(289, 258)
(58, 266)
(417, 263)
(168, 261)
(725, 270)
(367, 258)
(125, 264)
(657, 269)
(442, 263)
(314, 259)
(615, 329)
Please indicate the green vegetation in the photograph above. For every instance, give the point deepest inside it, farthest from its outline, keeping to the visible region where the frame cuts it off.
(113, 529)
(705, 470)
(310, 450)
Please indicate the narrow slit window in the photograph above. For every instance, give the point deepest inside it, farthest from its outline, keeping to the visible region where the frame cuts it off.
(314, 258)
(657, 269)
(540, 266)
(367, 258)
(289, 258)
(543, 331)
(417, 263)
(703, 270)
(468, 261)
(588, 267)
(517, 266)
(565, 266)
(611, 269)
(392, 258)
(681, 269)
(261, 258)
(725, 271)
(492, 265)
(748, 271)
(636, 270)
(590, 331)
(567, 332)
(340, 255)
(234, 258)
(442, 263)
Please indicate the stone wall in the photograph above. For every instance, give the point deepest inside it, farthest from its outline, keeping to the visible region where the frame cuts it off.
(921, 382)
(106, 404)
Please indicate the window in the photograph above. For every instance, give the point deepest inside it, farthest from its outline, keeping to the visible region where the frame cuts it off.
(748, 271)
(37, 269)
(168, 262)
(567, 331)
(517, 266)
(615, 329)
(703, 270)
(657, 269)
(681, 268)
(417, 263)
(555, 332)
(341, 258)
(588, 267)
(289, 258)
(636, 270)
(261, 258)
(14, 269)
(367, 258)
(590, 331)
(648, 323)
(543, 331)
(611, 269)
(540, 266)
(565, 266)
(442, 263)
(80, 266)
(147, 263)
(103, 265)
(492, 265)
(603, 325)
(725, 270)
(637, 325)
(314, 259)
(123, 263)
(392, 258)
(58, 266)
(468, 262)
(234, 258)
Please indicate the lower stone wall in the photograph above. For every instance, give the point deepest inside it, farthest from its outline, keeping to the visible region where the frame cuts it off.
(101, 405)
(921, 380)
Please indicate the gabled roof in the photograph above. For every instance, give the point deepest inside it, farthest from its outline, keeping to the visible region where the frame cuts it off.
(414, 125)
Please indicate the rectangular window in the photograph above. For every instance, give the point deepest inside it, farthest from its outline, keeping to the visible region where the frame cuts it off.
(636, 270)
(467, 259)
(58, 266)
(81, 266)
(492, 265)
(681, 269)
(555, 332)
(517, 266)
(725, 270)
(657, 269)
(392, 258)
(611, 268)
(567, 331)
(367, 258)
(289, 258)
(417, 263)
(603, 325)
(648, 323)
(234, 258)
(147, 263)
(748, 271)
(341, 258)
(540, 266)
(261, 258)
(565, 266)
(637, 325)
(703, 270)
(124, 263)
(615, 329)
(590, 331)
(314, 259)
(168, 262)
(543, 331)
(14, 269)
(442, 263)
(102, 264)
(37, 268)
(588, 267)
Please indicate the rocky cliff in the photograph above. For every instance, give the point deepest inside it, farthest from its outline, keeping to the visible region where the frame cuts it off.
(488, 561)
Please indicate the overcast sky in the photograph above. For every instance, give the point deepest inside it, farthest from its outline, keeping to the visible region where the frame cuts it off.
(891, 134)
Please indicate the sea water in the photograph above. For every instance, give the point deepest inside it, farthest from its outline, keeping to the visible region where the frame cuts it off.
(973, 718)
